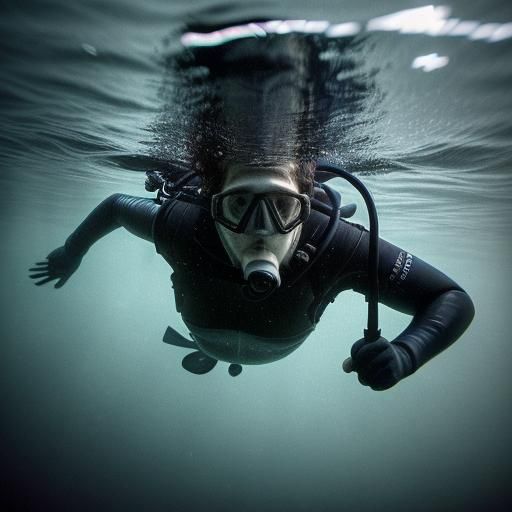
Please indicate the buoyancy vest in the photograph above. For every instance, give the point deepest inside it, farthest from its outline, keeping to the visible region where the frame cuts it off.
(209, 290)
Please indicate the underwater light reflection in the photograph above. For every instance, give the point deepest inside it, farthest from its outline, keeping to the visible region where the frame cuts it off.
(429, 20)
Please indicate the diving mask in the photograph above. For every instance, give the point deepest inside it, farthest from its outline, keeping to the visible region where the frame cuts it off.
(259, 222)
(241, 210)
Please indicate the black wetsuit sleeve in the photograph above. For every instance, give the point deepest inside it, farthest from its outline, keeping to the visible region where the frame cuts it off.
(136, 214)
(441, 309)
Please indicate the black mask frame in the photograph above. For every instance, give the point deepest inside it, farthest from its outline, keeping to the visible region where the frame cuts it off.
(240, 227)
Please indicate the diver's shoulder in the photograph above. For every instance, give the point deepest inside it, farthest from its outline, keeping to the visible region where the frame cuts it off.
(352, 226)
(347, 238)
(181, 209)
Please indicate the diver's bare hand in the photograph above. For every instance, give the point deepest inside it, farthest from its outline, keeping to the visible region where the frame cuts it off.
(59, 264)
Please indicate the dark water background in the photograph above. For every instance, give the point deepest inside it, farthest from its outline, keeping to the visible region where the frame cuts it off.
(97, 413)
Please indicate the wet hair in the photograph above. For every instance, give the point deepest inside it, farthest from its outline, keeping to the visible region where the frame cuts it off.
(259, 102)
(302, 174)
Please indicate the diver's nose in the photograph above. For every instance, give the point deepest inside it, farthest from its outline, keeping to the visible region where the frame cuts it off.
(260, 222)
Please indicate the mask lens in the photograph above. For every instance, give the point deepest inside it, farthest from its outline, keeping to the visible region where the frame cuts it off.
(234, 207)
(239, 209)
(288, 208)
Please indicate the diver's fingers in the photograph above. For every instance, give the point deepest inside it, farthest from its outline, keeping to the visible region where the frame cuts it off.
(368, 352)
(45, 262)
(61, 282)
(37, 276)
(38, 269)
(381, 361)
(47, 280)
(347, 365)
(382, 380)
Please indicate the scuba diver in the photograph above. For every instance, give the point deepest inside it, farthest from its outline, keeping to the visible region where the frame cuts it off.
(260, 247)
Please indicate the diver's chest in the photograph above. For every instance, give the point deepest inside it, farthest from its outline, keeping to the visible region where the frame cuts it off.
(213, 297)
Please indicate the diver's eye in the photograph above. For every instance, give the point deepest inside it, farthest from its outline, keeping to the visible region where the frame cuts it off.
(235, 206)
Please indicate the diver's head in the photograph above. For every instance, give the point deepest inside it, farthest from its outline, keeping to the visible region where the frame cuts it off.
(259, 214)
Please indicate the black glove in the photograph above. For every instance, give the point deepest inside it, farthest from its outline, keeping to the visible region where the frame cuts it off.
(379, 364)
(60, 264)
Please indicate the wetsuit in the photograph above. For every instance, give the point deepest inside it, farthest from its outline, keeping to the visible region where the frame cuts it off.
(211, 295)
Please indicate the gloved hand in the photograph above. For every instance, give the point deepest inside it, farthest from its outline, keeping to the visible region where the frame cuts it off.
(379, 364)
(60, 264)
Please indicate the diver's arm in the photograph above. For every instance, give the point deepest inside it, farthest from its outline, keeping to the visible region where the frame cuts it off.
(136, 214)
(436, 326)
(441, 312)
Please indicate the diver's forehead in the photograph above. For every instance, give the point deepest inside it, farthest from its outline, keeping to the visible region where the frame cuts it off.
(260, 178)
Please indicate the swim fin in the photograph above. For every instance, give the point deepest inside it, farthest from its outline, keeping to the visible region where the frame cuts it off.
(235, 369)
(348, 210)
(198, 363)
(173, 337)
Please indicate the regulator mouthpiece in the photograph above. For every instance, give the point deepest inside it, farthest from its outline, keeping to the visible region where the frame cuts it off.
(262, 276)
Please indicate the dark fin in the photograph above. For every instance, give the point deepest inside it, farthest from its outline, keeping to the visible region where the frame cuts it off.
(198, 363)
(234, 369)
(348, 210)
(172, 337)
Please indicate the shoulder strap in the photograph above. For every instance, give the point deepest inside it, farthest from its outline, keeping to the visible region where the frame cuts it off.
(171, 185)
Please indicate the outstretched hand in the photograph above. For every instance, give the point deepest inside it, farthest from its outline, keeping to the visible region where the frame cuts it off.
(379, 364)
(59, 264)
